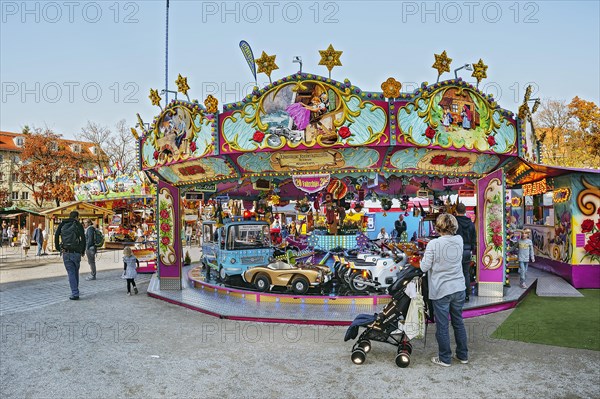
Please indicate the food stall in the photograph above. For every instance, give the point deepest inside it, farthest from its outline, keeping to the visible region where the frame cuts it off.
(53, 217)
(561, 209)
(129, 197)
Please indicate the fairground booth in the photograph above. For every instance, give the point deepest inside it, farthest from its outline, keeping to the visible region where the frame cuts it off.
(54, 216)
(328, 148)
(129, 198)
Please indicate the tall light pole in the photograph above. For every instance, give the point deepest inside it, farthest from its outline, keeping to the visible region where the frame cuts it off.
(167, 57)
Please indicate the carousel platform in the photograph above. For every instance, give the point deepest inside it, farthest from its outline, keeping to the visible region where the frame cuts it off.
(236, 304)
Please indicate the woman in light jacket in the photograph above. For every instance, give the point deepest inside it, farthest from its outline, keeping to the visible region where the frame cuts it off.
(442, 261)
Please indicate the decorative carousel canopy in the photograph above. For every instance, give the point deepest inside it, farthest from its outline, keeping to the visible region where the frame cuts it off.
(306, 124)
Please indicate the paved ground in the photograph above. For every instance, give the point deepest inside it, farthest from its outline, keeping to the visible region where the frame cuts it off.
(109, 345)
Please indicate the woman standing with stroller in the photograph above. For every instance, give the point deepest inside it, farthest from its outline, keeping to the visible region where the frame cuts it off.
(443, 262)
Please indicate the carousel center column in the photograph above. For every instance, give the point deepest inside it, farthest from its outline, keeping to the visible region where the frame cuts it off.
(169, 237)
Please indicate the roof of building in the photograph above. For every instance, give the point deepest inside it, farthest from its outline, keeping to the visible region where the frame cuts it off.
(7, 143)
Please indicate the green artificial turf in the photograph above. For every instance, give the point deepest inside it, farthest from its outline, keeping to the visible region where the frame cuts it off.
(568, 322)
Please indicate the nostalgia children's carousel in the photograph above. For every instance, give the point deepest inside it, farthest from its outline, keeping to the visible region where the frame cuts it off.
(326, 147)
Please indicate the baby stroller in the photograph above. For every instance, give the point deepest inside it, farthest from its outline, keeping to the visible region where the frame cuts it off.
(383, 327)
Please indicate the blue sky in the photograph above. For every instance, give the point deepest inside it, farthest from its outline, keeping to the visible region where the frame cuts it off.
(64, 63)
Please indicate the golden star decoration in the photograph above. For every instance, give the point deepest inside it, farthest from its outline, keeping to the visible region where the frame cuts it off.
(527, 93)
(182, 85)
(211, 104)
(479, 71)
(391, 88)
(442, 63)
(330, 57)
(154, 97)
(266, 64)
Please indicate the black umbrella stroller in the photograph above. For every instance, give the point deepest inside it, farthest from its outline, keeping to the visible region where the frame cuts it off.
(383, 327)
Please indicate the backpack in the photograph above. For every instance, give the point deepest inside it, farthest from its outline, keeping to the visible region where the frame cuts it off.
(68, 236)
(98, 238)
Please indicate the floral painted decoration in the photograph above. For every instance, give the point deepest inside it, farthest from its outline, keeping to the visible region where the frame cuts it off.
(494, 223)
(211, 104)
(592, 245)
(430, 132)
(449, 160)
(258, 136)
(344, 132)
(164, 224)
(391, 88)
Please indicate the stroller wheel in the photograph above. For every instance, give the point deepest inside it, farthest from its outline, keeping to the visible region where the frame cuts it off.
(358, 356)
(406, 346)
(402, 358)
(365, 345)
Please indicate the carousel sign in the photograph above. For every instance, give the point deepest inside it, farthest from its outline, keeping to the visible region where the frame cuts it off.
(311, 183)
(539, 187)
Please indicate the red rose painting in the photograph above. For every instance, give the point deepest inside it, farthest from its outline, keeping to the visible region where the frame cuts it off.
(430, 132)
(587, 226)
(258, 136)
(344, 132)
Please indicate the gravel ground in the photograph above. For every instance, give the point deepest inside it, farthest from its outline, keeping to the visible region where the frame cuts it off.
(109, 345)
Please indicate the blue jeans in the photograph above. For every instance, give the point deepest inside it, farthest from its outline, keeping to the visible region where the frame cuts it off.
(450, 304)
(72, 262)
(523, 271)
(39, 249)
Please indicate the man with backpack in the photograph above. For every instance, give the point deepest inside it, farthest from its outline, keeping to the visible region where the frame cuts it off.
(90, 247)
(69, 239)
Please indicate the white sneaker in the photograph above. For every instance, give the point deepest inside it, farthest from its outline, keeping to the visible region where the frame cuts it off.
(460, 360)
(436, 360)
(129, 294)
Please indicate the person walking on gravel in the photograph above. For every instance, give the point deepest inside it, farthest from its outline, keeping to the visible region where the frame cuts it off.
(90, 248)
(69, 239)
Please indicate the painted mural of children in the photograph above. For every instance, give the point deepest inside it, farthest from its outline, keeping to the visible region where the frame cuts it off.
(467, 117)
(447, 119)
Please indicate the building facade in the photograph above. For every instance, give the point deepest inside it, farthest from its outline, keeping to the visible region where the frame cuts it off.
(12, 191)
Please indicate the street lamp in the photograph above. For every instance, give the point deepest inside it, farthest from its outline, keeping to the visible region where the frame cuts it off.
(536, 104)
(468, 67)
(298, 59)
(163, 91)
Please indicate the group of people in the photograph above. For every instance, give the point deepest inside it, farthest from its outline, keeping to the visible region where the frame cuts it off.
(75, 240)
(12, 236)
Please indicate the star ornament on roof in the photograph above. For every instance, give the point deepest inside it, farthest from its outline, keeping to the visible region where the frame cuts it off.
(266, 64)
(330, 58)
(154, 97)
(442, 63)
(479, 71)
(182, 85)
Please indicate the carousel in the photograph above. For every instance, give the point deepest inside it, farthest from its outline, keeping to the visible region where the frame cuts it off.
(326, 149)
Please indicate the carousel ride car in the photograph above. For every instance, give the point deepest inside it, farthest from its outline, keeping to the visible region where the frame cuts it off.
(299, 278)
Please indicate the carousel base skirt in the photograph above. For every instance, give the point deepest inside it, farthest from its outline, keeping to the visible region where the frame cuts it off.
(238, 304)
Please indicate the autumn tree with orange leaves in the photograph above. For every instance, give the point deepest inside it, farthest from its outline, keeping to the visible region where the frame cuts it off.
(48, 167)
(569, 133)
